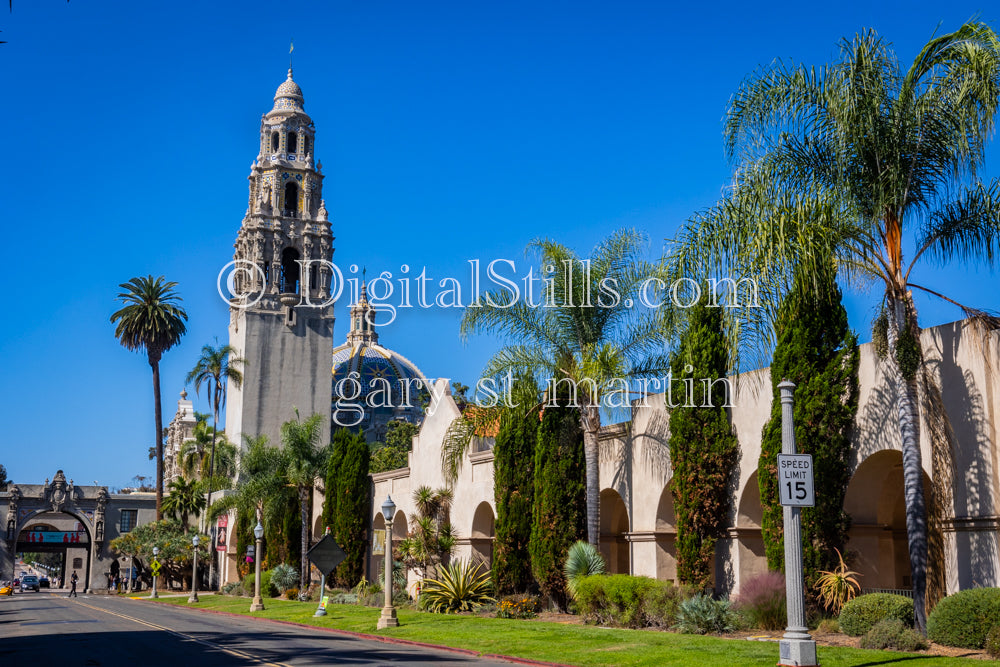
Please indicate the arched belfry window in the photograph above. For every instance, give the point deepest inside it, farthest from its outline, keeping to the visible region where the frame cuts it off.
(293, 142)
(274, 142)
(291, 199)
(289, 271)
(305, 144)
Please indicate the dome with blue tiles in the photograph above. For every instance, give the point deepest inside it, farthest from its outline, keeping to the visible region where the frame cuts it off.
(385, 382)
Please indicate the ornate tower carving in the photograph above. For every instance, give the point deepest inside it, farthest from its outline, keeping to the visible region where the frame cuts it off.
(284, 327)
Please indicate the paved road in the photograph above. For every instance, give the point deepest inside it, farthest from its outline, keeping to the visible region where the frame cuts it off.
(41, 629)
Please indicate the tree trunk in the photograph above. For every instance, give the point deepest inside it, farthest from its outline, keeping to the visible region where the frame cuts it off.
(913, 485)
(211, 482)
(158, 412)
(304, 507)
(590, 420)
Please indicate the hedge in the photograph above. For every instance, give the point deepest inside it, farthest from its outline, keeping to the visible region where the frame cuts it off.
(864, 612)
(965, 618)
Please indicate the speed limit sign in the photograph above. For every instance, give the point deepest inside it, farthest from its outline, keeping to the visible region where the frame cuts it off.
(795, 480)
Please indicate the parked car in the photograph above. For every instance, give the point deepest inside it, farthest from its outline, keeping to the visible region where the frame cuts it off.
(44, 582)
(6, 589)
(29, 582)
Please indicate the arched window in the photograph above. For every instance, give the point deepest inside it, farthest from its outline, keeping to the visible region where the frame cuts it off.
(305, 144)
(291, 199)
(293, 142)
(274, 142)
(289, 271)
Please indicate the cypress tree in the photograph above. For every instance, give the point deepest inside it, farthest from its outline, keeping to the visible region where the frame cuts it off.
(560, 509)
(513, 474)
(703, 448)
(346, 503)
(818, 352)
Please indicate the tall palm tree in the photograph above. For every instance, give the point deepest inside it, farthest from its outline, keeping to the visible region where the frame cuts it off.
(151, 321)
(839, 162)
(217, 367)
(305, 460)
(577, 331)
(185, 498)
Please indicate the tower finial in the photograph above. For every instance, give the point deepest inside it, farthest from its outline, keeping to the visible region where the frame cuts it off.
(291, 47)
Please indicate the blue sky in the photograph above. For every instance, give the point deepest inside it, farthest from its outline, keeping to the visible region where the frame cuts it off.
(447, 131)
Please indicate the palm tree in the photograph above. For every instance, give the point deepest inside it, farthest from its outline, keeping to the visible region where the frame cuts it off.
(185, 498)
(151, 321)
(579, 332)
(431, 539)
(839, 162)
(217, 367)
(305, 460)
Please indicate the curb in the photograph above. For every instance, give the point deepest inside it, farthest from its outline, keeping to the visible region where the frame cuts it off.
(361, 635)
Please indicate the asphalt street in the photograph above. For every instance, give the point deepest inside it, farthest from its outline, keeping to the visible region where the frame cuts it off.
(41, 629)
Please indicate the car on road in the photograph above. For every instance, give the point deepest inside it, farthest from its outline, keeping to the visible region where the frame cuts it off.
(43, 582)
(6, 589)
(29, 582)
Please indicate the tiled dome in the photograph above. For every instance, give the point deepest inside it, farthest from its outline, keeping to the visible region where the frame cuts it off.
(372, 361)
(289, 90)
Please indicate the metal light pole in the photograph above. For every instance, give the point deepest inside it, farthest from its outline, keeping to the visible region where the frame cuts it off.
(320, 609)
(796, 646)
(194, 571)
(388, 618)
(258, 603)
(156, 552)
(131, 574)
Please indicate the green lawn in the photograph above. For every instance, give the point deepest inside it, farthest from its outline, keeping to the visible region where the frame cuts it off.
(555, 642)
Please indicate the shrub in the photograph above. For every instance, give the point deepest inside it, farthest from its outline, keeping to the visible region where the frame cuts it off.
(964, 619)
(761, 601)
(233, 588)
(518, 606)
(462, 587)
(993, 642)
(893, 633)
(702, 614)
(628, 601)
(862, 613)
(284, 577)
(829, 625)
(291, 593)
(582, 560)
(267, 588)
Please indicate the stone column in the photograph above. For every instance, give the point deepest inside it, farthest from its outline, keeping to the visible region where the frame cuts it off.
(797, 646)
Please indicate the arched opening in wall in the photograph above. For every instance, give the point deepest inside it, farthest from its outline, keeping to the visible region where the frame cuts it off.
(666, 536)
(614, 528)
(750, 554)
(318, 529)
(293, 142)
(289, 271)
(291, 200)
(306, 145)
(275, 142)
(400, 528)
(482, 534)
(59, 541)
(375, 560)
(877, 545)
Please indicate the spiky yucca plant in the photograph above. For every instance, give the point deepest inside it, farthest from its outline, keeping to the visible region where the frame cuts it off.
(837, 587)
(462, 587)
(582, 560)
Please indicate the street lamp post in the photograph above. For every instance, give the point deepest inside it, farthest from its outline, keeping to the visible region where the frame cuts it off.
(258, 603)
(156, 552)
(388, 618)
(194, 571)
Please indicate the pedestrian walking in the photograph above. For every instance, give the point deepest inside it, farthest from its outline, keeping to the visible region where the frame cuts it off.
(72, 581)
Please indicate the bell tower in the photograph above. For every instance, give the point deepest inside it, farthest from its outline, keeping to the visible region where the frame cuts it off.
(282, 325)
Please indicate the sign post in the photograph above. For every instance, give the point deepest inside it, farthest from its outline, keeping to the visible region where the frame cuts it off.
(795, 485)
(326, 556)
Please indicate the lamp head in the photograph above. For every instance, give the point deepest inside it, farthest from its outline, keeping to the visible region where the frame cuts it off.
(258, 531)
(195, 540)
(388, 509)
(156, 551)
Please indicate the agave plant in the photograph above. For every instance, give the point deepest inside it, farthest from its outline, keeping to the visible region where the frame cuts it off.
(462, 587)
(838, 587)
(582, 560)
(284, 577)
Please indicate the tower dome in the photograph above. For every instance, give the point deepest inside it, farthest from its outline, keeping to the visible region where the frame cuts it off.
(288, 95)
(383, 383)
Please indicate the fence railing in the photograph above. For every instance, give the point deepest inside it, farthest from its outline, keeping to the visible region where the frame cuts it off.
(905, 592)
